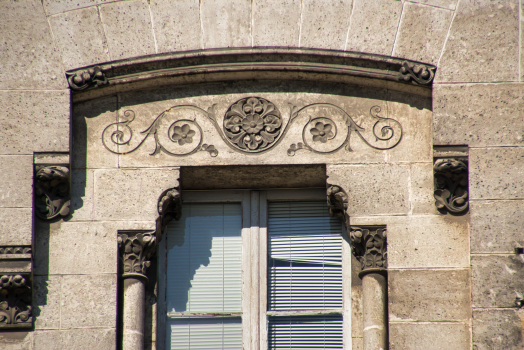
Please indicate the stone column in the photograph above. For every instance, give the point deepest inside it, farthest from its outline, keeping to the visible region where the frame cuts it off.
(369, 247)
(135, 250)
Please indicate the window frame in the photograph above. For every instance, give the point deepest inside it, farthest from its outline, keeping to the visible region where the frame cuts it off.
(254, 259)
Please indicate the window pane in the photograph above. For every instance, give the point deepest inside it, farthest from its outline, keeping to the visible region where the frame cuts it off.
(305, 257)
(305, 332)
(204, 259)
(205, 333)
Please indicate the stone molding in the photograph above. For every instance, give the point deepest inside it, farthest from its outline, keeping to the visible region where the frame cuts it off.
(369, 246)
(52, 191)
(337, 200)
(248, 61)
(169, 208)
(135, 250)
(451, 185)
(15, 302)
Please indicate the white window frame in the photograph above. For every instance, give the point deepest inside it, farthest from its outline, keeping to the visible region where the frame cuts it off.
(254, 263)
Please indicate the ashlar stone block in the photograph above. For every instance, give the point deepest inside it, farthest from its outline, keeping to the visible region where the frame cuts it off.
(128, 29)
(16, 190)
(497, 281)
(177, 25)
(80, 37)
(483, 35)
(52, 7)
(429, 336)
(324, 24)
(478, 115)
(374, 26)
(16, 340)
(422, 33)
(498, 329)
(226, 23)
(429, 295)
(496, 173)
(16, 226)
(445, 4)
(78, 339)
(276, 23)
(46, 301)
(496, 226)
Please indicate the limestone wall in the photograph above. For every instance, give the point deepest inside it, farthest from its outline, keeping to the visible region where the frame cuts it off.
(478, 95)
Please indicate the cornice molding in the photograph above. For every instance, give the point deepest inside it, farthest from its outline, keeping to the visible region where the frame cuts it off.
(52, 191)
(249, 61)
(369, 246)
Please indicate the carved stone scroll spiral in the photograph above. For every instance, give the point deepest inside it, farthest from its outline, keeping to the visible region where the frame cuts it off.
(15, 302)
(369, 246)
(451, 185)
(52, 192)
(337, 200)
(135, 252)
(82, 80)
(419, 73)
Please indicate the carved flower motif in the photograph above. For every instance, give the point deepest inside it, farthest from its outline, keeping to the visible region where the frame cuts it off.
(252, 124)
(321, 132)
(183, 134)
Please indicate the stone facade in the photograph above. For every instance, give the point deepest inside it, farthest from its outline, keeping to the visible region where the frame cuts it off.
(414, 109)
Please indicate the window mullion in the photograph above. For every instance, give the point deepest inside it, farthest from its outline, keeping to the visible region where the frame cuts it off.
(262, 242)
(246, 271)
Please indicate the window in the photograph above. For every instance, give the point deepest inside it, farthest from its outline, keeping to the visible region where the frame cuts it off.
(255, 270)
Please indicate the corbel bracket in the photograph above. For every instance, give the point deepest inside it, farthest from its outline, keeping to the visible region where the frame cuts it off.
(337, 200)
(52, 191)
(369, 246)
(169, 208)
(451, 185)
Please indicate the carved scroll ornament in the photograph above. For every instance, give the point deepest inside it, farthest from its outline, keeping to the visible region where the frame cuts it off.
(252, 125)
(337, 200)
(451, 185)
(52, 192)
(369, 246)
(169, 208)
(135, 252)
(15, 302)
(84, 79)
(418, 73)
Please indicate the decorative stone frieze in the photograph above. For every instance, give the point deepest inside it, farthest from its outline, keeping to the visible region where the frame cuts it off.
(81, 80)
(16, 250)
(15, 302)
(337, 200)
(419, 73)
(52, 191)
(136, 248)
(169, 208)
(369, 246)
(451, 185)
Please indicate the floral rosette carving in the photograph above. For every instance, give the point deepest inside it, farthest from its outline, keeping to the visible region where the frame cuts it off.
(252, 124)
(135, 252)
(451, 185)
(369, 246)
(15, 302)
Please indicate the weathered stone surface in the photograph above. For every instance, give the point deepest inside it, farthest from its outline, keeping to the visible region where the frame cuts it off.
(422, 189)
(429, 295)
(89, 119)
(78, 339)
(88, 301)
(16, 189)
(136, 191)
(128, 29)
(373, 189)
(498, 329)
(357, 320)
(496, 173)
(16, 226)
(470, 53)
(80, 37)
(82, 187)
(496, 280)
(91, 247)
(34, 121)
(446, 4)
(27, 52)
(479, 115)
(226, 23)
(177, 25)
(496, 226)
(374, 26)
(324, 24)
(421, 33)
(53, 7)
(16, 340)
(276, 23)
(429, 336)
(357, 343)
(46, 301)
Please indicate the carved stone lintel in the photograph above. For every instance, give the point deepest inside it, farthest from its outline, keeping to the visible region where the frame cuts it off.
(169, 208)
(337, 200)
(82, 80)
(369, 246)
(52, 192)
(451, 185)
(135, 251)
(419, 73)
(15, 302)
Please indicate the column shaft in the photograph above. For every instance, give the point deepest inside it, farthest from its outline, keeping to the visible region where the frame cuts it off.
(134, 314)
(374, 310)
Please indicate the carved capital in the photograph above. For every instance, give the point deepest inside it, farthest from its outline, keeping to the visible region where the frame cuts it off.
(451, 185)
(84, 79)
(15, 302)
(52, 192)
(337, 200)
(135, 251)
(418, 73)
(169, 208)
(369, 246)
